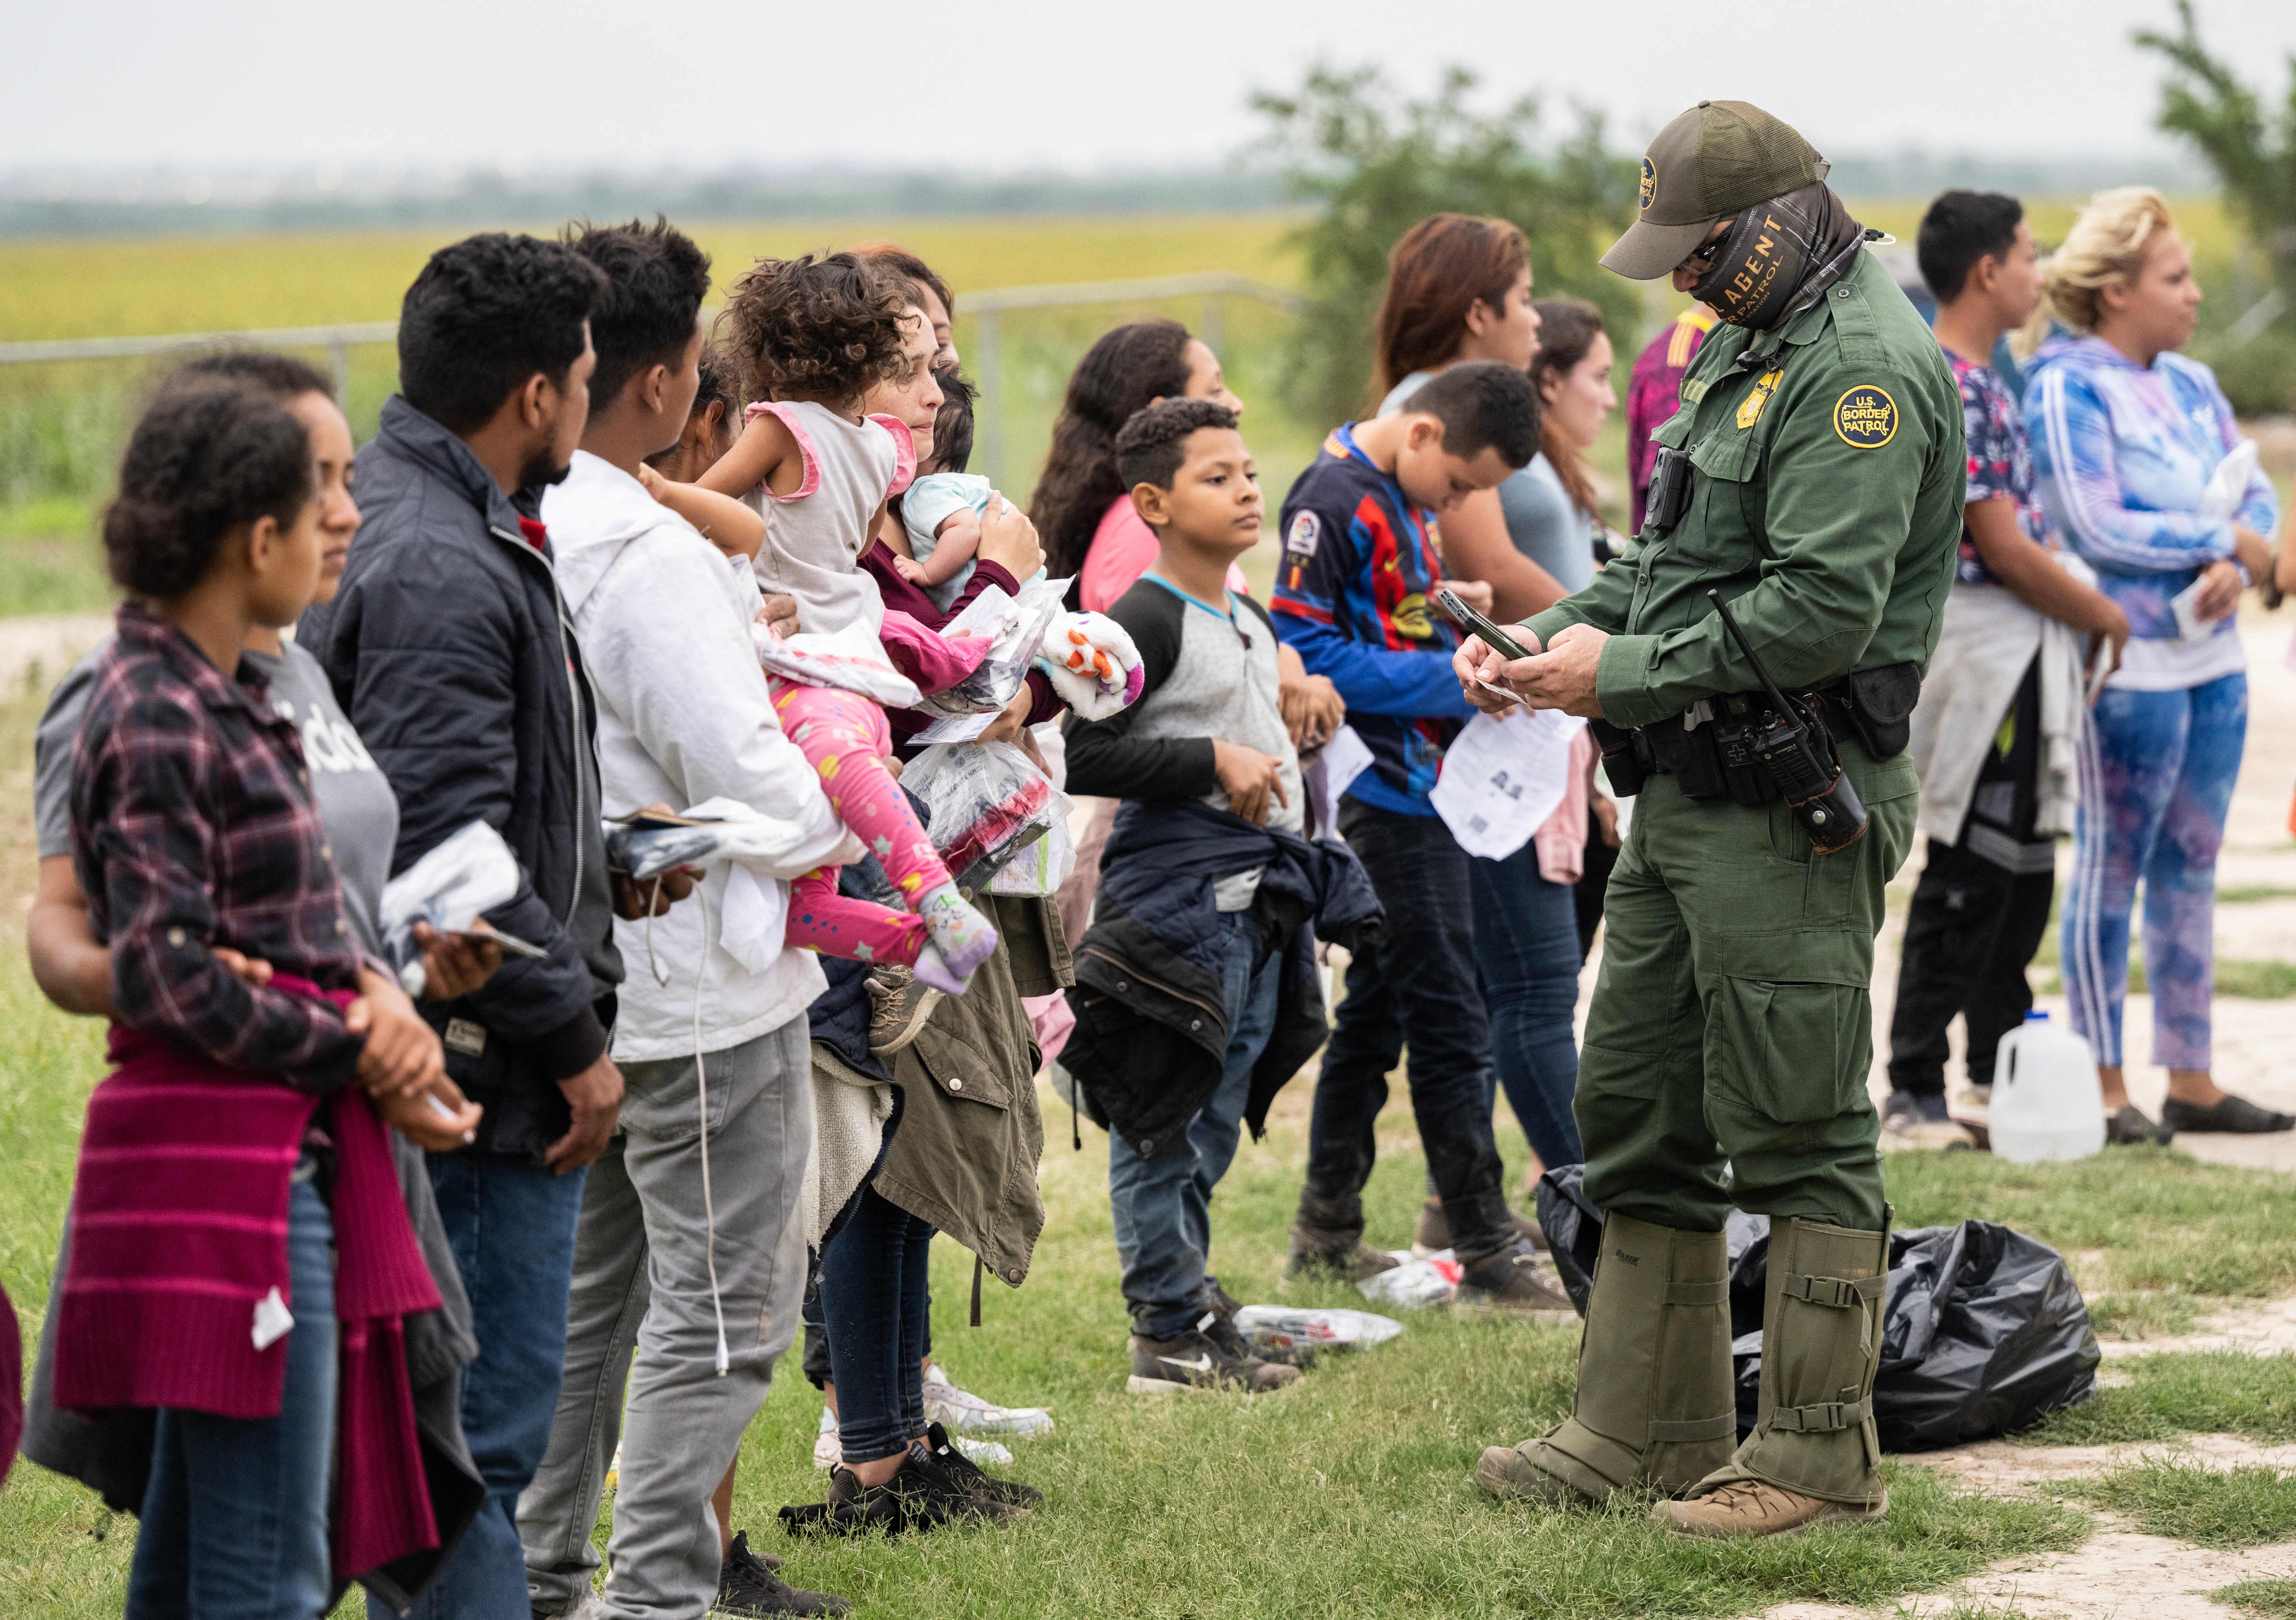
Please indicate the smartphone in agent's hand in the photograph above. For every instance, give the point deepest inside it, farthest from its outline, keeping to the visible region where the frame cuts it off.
(1498, 641)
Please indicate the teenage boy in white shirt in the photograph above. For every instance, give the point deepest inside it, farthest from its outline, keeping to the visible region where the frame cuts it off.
(690, 1252)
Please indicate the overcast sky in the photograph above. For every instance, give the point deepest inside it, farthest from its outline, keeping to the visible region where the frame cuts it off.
(1033, 83)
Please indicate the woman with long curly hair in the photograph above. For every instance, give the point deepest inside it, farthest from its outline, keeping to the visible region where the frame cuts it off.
(1082, 510)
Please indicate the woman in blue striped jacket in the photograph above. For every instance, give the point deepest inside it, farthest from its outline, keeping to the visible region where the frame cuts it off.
(2129, 437)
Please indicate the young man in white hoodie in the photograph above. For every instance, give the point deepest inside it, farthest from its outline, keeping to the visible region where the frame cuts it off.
(690, 1252)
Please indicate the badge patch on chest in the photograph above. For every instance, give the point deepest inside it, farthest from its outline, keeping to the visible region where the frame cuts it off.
(1750, 409)
(1865, 417)
(1306, 530)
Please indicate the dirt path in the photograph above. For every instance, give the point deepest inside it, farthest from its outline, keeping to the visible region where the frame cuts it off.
(2118, 1575)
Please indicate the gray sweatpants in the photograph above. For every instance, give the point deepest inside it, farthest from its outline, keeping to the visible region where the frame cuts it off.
(642, 1284)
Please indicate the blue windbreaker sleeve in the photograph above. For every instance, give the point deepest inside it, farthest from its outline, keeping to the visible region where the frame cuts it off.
(1373, 679)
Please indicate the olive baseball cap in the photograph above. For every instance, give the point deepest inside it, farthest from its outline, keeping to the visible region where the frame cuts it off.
(1716, 159)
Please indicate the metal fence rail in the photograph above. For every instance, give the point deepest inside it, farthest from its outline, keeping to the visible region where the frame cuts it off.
(985, 309)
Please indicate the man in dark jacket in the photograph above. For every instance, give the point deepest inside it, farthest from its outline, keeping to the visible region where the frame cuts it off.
(449, 647)
(1197, 995)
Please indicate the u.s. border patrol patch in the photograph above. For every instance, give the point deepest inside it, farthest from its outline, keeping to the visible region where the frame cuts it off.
(1306, 529)
(1865, 417)
(1650, 182)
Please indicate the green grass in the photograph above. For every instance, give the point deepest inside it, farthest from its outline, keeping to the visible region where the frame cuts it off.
(2143, 1315)
(2268, 1600)
(2248, 893)
(2165, 1220)
(2219, 1507)
(2182, 1393)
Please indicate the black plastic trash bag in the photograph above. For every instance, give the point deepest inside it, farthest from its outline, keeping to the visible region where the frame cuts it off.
(1983, 1329)
(1574, 1235)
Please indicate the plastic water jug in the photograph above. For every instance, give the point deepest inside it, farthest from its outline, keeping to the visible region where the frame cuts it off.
(2047, 1104)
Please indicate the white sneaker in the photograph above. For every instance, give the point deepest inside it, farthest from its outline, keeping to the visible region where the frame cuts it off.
(962, 1412)
(827, 1452)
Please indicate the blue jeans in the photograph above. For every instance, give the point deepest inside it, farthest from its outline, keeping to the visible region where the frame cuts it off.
(234, 1520)
(1163, 1205)
(875, 1305)
(511, 1224)
(1527, 947)
(2156, 774)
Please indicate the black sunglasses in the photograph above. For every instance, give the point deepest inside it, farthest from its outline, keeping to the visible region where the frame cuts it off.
(1705, 256)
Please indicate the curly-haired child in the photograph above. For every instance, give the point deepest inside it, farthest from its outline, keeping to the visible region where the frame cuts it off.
(816, 334)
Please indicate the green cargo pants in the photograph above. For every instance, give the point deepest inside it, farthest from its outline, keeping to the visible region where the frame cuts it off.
(1732, 1022)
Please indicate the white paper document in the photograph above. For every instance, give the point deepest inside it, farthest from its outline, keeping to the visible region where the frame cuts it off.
(1342, 760)
(1502, 777)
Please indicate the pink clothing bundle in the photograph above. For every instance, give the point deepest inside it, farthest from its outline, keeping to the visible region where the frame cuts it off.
(179, 1230)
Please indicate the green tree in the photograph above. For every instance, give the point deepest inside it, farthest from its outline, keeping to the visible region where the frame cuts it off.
(2253, 150)
(1375, 162)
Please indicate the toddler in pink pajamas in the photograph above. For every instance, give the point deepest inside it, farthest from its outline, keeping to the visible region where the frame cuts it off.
(819, 334)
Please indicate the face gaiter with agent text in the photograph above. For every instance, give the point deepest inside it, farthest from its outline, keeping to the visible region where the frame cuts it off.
(1780, 256)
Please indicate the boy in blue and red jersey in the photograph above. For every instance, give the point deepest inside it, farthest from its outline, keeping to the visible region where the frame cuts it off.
(1354, 595)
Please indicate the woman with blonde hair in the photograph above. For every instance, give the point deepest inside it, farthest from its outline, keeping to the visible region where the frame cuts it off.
(2128, 438)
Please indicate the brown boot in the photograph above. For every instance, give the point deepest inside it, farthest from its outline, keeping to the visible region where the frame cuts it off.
(1432, 1235)
(1510, 1281)
(1325, 1244)
(1756, 1506)
(1814, 1453)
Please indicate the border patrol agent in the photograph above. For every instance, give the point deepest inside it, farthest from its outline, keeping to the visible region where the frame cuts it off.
(1814, 478)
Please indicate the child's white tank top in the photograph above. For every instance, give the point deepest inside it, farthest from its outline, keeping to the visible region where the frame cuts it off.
(815, 537)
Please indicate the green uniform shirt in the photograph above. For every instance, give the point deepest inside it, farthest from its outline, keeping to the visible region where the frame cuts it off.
(1826, 508)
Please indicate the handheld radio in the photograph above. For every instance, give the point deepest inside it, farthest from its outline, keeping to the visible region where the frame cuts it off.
(1799, 755)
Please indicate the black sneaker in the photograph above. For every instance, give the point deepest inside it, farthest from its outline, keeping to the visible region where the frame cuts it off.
(1510, 1281)
(748, 1586)
(1336, 1257)
(976, 1478)
(1197, 1363)
(1225, 1305)
(921, 1495)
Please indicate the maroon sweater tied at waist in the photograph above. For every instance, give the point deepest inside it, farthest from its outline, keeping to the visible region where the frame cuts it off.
(179, 1239)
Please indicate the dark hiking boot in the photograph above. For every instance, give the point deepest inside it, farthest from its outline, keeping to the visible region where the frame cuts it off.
(977, 1479)
(1225, 1305)
(1432, 1235)
(1509, 1281)
(1196, 1363)
(747, 1587)
(1333, 1255)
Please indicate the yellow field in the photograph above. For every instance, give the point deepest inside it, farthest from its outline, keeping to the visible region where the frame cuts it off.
(76, 288)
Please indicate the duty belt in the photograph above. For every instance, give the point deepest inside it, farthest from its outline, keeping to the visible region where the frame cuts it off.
(1703, 747)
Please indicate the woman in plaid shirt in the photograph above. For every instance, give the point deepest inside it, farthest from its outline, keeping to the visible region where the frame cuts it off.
(199, 1208)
